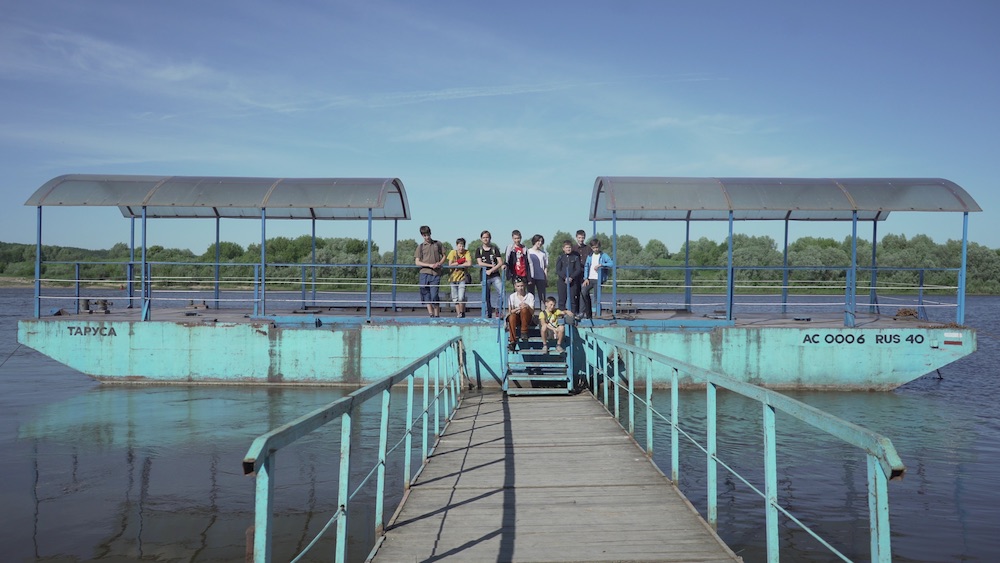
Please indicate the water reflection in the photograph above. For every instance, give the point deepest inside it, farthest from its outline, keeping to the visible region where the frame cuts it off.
(122, 473)
(170, 459)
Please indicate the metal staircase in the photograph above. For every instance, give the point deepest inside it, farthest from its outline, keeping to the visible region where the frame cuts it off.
(530, 372)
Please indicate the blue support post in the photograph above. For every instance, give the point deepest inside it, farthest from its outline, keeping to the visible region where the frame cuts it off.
(852, 275)
(314, 261)
(76, 284)
(960, 312)
(630, 374)
(616, 383)
(604, 380)
(614, 268)
(131, 262)
(263, 261)
(921, 310)
(437, 403)
(264, 485)
(145, 282)
(771, 483)
(571, 335)
(395, 261)
(218, 257)
(687, 264)
(368, 295)
(407, 471)
(711, 468)
(675, 454)
(649, 407)
(302, 285)
(730, 273)
(484, 296)
(343, 485)
(383, 440)
(873, 296)
(256, 290)
(38, 263)
(784, 272)
(878, 512)
(426, 413)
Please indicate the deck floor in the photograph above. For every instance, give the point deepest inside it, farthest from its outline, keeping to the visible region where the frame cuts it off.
(544, 478)
(410, 314)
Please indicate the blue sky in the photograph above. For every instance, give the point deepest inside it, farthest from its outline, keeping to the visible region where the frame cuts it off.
(495, 115)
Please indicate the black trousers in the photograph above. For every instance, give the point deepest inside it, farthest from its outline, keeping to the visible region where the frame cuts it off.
(573, 291)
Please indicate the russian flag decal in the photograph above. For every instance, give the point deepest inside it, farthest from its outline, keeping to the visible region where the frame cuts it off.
(953, 338)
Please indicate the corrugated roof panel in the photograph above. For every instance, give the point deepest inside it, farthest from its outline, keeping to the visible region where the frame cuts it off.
(229, 197)
(799, 199)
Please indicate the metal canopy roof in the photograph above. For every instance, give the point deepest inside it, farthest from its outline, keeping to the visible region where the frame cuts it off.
(213, 197)
(797, 199)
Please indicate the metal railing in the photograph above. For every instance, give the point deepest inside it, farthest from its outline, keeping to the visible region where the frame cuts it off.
(442, 369)
(355, 285)
(784, 281)
(246, 284)
(610, 362)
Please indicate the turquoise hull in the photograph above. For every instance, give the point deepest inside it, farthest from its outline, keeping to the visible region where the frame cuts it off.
(351, 351)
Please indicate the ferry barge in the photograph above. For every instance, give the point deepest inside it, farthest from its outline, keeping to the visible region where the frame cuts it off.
(153, 334)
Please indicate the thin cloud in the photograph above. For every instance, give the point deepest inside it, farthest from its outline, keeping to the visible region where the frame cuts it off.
(430, 135)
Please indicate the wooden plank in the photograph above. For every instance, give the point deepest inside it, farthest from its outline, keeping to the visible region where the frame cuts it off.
(544, 479)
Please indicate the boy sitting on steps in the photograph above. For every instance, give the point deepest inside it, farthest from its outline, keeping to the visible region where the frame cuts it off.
(549, 321)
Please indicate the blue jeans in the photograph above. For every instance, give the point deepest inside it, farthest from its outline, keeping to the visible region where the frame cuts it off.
(497, 283)
(429, 288)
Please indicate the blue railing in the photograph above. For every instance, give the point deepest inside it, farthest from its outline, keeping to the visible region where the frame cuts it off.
(610, 363)
(758, 279)
(320, 285)
(442, 371)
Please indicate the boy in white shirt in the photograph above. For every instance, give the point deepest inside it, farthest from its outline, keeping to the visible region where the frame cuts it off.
(521, 305)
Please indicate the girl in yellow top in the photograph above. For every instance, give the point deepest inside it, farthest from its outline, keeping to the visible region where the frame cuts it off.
(549, 321)
(460, 260)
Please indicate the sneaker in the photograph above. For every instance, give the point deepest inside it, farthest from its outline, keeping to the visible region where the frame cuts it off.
(511, 347)
(545, 349)
(559, 350)
(524, 338)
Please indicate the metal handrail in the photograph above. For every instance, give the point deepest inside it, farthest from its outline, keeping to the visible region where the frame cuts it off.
(370, 286)
(884, 463)
(259, 460)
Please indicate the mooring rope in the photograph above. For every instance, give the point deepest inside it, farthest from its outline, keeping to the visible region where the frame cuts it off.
(9, 356)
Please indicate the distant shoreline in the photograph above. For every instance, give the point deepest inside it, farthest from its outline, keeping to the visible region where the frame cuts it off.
(16, 282)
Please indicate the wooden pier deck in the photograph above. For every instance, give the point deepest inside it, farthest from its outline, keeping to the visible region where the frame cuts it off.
(544, 478)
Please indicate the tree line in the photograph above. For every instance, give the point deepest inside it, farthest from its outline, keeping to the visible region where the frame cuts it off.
(642, 267)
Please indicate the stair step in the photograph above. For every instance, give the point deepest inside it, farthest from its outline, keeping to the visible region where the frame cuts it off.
(526, 373)
(536, 377)
(539, 364)
(538, 391)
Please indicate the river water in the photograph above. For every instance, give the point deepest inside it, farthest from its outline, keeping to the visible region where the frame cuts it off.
(118, 473)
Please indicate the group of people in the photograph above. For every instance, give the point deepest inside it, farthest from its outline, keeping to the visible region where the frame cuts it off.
(581, 267)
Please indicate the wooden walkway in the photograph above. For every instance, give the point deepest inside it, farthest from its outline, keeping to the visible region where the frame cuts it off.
(544, 478)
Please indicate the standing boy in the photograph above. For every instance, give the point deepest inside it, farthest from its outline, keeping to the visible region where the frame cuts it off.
(569, 274)
(429, 255)
(580, 246)
(459, 259)
(581, 249)
(538, 268)
(488, 256)
(521, 305)
(516, 257)
(596, 273)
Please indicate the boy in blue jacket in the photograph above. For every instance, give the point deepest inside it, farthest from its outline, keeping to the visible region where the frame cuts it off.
(595, 272)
